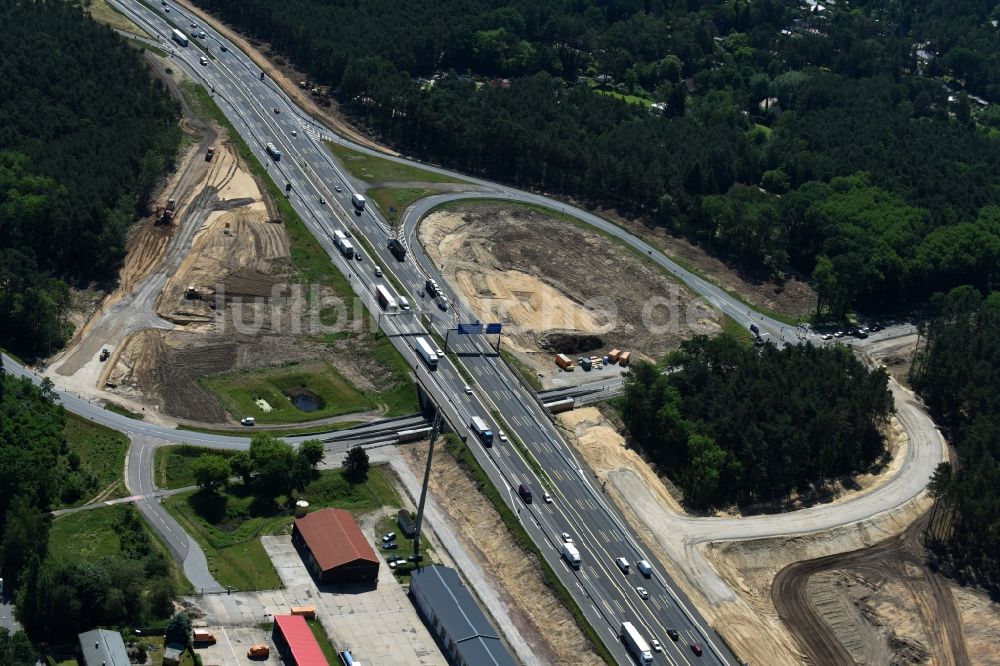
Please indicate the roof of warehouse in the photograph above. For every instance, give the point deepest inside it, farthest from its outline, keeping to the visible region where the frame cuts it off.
(460, 616)
(334, 538)
(301, 641)
(101, 646)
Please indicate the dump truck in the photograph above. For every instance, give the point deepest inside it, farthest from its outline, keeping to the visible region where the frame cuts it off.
(571, 554)
(358, 201)
(385, 299)
(564, 362)
(210, 154)
(636, 644)
(397, 249)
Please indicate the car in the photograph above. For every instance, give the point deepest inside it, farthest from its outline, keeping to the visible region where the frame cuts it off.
(655, 644)
(295, 133)
(566, 537)
(223, 48)
(277, 110)
(468, 390)
(503, 435)
(439, 353)
(322, 200)
(166, 9)
(203, 60)
(358, 257)
(388, 536)
(828, 336)
(247, 421)
(392, 545)
(642, 592)
(696, 648)
(547, 497)
(674, 636)
(194, 26)
(861, 335)
(623, 565)
(338, 188)
(378, 271)
(416, 557)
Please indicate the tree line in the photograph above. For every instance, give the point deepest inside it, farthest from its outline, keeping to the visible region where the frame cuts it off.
(85, 134)
(734, 424)
(765, 107)
(957, 372)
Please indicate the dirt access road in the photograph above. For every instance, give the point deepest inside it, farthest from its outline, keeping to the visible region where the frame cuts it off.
(873, 605)
(560, 288)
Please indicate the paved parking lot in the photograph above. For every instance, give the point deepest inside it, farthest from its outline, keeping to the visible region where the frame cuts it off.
(379, 626)
(232, 644)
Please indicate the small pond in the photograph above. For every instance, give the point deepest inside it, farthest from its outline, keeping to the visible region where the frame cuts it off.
(304, 399)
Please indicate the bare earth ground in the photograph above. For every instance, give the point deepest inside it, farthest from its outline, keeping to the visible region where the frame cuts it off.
(559, 288)
(792, 297)
(749, 623)
(541, 620)
(205, 294)
(895, 355)
(285, 75)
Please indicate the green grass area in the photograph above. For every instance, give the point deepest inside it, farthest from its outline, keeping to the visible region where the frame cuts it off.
(172, 464)
(101, 453)
(277, 432)
(90, 535)
(522, 449)
(463, 456)
(228, 524)
(325, 645)
(527, 373)
(631, 99)
(737, 330)
(123, 411)
(312, 262)
(102, 12)
(380, 170)
(392, 201)
(237, 391)
(403, 571)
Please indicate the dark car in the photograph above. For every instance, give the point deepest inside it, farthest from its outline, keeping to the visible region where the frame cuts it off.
(674, 636)
(696, 648)
(416, 557)
(392, 545)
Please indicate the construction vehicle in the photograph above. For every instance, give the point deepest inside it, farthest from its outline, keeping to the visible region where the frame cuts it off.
(104, 355)
(166, 214)
(210, 154)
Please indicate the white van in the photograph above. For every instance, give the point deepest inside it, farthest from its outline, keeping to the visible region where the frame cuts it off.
(404, 303)
(623, 565)
(248, 421)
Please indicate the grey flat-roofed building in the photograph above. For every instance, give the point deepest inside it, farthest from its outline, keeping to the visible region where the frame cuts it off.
(101, 647)
(453, 615)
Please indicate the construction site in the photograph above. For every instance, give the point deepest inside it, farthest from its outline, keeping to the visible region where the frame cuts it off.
(559, 288)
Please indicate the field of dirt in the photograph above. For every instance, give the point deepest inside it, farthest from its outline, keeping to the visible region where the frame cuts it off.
(883, 605)
(559, 288)
(542, 621)
(895, 355)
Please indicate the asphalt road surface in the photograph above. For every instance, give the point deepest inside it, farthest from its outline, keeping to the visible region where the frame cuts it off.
(261, 113)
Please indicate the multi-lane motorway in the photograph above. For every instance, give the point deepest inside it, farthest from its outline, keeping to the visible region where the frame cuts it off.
(261, 113)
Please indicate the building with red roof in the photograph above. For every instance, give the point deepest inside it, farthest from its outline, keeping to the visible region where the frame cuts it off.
(334, 548)
(296, 643)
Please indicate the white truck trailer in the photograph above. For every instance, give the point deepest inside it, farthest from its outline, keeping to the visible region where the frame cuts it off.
(426, 352)
(571, 554)
(636, 644)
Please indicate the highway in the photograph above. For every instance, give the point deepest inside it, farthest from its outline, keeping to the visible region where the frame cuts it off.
(606, 596)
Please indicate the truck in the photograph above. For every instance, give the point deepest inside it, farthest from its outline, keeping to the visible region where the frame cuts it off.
(571, 554)
(636, 644)
(482, 431)
(344, 245)
(210, 154)
(358, 201)
(426, 352)
(385, 299)
(431, 286)
(179, 37)
(273, 151)
(397, 249)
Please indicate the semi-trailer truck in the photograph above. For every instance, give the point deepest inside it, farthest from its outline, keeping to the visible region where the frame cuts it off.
(385, 299)
(358, 201)
(344, 245)
(397, 249)
(273, 151)
(571, 554)
(179, 37)
(482, 431)
(426, 352)
(636, 644)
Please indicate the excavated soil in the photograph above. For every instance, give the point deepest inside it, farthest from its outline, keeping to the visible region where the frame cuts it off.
(542, 621)
(558, 287)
